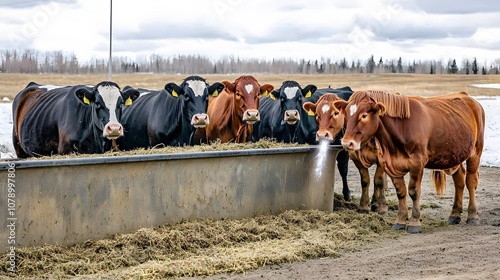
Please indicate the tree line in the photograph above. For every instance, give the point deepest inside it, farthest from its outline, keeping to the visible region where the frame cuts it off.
(57, 62)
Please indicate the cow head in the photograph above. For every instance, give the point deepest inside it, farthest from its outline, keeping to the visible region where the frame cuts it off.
(362, 119)
(106, 101)
(291, 97)
(330, 120)
(246, 92)
(195, 92)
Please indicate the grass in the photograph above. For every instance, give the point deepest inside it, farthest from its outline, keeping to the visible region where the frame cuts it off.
(411, 84)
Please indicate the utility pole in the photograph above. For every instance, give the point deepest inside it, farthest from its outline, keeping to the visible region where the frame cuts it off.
(110, 61)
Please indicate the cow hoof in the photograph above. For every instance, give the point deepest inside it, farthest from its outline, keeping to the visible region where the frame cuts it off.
(374, 208)
(398, 226)
(454, 220)
(363, 211)
(383, 214)
(473, 222)
(414, 229)
(347, 196)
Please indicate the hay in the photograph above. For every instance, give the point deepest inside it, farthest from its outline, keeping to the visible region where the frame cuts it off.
(212, 147)
(205, 247)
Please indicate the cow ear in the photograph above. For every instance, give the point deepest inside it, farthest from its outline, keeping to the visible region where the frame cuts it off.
(129, 95)
(173, 89)
(228, 86)
(310, 108)
(85, 95)
(274, 94)
(215, 88)
(266, 87)
(309, 90)
(340, 105)
(380, 108)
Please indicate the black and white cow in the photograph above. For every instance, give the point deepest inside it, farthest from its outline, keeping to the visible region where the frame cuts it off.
(169, 116)
(281, 113)
(61, 120)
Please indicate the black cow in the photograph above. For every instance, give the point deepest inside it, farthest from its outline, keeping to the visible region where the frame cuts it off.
(281, 113)
(169, 116)
(61, 120)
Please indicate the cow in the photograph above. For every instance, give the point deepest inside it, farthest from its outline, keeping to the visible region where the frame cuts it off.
(80, 119)
(234, 111)
(413, 133)
(331, 122)
(310, 127)
(168, 117)
(281, 113)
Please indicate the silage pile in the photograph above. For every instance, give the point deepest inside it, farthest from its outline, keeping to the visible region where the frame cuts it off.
(206, 247)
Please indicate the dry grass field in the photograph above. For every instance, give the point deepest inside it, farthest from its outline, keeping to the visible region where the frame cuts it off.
(410, 84)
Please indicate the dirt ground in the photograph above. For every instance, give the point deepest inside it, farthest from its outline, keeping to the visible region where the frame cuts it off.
(451, 252)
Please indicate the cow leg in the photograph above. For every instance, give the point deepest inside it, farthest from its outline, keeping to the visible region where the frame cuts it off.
(365, 185)
(459, 182)
(399, 184)
(342, 165)
(472, 179)
(379, 203)
(414, 191)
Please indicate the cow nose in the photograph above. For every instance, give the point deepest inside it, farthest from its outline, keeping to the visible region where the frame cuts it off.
(292, 116)
(251, 116)
(200, 120)
(324, 135)
(113, 130)
(350, 145)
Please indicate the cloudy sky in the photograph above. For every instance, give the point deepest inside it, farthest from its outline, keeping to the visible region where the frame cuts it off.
(265, 29)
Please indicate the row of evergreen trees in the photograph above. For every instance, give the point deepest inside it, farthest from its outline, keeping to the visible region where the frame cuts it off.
(57, 62)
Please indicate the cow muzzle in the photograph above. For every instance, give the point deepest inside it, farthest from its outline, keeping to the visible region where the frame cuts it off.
(113, 130)
(324, 135)
(292, 117)
(251, 116)
(200, 120)
(351, 145)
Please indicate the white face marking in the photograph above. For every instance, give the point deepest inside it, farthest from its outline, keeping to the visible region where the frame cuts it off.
(249, 88)
(353, 109)
(110, 96)
(198, 87)
(49, 87)
(290, 92)
(325, 108)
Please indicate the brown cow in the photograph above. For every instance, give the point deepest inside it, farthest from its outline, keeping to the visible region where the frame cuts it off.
(441, 133)
(234, 111)
(330, 122)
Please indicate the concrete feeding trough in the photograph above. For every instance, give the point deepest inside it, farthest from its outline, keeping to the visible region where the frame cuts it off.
(66, 201)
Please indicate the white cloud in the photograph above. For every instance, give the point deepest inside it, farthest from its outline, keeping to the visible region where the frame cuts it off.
(261, 29)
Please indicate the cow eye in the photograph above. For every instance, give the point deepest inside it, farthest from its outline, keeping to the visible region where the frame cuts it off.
(364, 116)
(336, 113)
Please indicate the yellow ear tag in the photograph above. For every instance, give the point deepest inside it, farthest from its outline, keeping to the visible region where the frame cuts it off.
(216, 93)
(174, 93)
(380, 112)
(272, 96)
(264, 94)
(86, 100)
(308, 94)
(128, 102)
(310, 112)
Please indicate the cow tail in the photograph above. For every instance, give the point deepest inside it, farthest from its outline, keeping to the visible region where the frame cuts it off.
(438, 177)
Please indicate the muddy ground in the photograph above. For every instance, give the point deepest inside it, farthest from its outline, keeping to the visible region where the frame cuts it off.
(451, 252)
